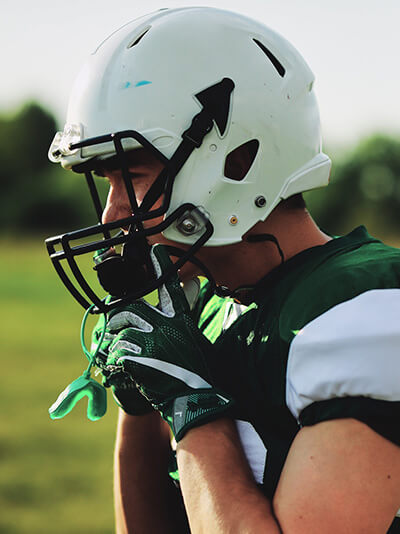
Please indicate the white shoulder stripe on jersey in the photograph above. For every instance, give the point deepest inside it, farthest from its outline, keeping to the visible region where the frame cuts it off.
(352, 349)
(191, 379)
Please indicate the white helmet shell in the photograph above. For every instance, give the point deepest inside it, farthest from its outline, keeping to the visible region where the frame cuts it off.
(145, 76)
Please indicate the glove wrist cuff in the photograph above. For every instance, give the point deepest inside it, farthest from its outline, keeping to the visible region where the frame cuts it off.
(195, 409)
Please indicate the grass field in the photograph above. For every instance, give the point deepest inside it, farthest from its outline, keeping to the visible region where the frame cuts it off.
(55, 476)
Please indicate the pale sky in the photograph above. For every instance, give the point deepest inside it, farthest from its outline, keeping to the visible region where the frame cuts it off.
(352, 46)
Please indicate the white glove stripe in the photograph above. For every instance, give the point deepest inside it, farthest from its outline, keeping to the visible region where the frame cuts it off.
(127, 345)
(127, 318)
(191, 379)
(166, 304)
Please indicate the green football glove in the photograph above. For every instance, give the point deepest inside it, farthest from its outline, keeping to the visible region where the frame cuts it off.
(165, 354)
(124, 389)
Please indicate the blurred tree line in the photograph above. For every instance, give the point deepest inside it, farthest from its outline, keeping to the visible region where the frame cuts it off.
(40, 197)
(37, 196)
(364, 189)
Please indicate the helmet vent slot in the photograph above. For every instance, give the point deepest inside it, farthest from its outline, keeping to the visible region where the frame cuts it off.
(138, 38)
(274, 60)
(239, 161)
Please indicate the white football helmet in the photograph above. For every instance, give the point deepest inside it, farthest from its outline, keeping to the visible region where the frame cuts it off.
(193, 84)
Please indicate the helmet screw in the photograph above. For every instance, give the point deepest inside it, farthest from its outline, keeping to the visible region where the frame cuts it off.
(260, 201)
(187, 226)
(233, 220)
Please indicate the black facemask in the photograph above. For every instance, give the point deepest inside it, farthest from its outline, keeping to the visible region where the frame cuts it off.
(129, 275)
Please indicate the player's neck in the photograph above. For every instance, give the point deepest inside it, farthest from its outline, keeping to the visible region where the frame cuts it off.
(295, 231)
(247, 262)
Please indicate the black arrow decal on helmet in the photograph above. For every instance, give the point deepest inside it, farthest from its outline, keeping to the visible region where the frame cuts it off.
(216, 101)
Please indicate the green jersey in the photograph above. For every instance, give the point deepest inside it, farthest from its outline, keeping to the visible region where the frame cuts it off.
(320, 341)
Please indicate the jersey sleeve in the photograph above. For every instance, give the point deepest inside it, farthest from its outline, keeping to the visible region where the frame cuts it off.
(346, 363)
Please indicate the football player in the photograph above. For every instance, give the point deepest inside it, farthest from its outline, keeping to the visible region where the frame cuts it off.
(279, 376)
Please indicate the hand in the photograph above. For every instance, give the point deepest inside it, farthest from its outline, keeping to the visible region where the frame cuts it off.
(124, 389)
(165, 354)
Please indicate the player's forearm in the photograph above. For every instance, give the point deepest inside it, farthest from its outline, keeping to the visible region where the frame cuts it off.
(143, 494)
(218, 488)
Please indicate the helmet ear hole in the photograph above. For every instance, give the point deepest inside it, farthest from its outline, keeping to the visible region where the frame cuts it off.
(239, 161)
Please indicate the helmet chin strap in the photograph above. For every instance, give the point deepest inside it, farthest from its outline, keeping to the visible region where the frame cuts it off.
(258, 238)
(222, 291)
(241, 293)
(178, 252)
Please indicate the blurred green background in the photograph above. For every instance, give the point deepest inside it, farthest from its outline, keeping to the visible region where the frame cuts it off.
(57, 476)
